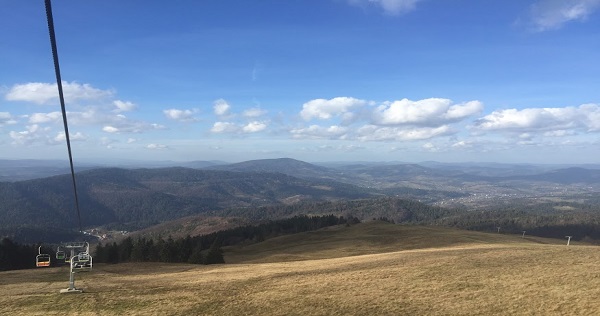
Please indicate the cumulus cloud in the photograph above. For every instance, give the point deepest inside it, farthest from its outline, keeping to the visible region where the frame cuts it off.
(462, 144)
(324, 109)
(221, 107)
(254, 112)
(427, 112)
(402, 120)
(44, 93)
(392, 7)
(224, 127)
(61, 139)
(181, 115)
(123, 106)
(231, 128)
(39, 118)
(553, 14)
(6, 119)
(586, 117)
(254, 127)
(33, 134)
(110, 129)
(156, 146)
(378, 133)
(319, 132)
(126, 126)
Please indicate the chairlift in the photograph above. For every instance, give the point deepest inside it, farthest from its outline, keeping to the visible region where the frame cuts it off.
(82, 262)
(42, 259)
(60, 255)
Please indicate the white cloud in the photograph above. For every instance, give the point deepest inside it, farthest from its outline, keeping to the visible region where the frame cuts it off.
(181, 115)
(33, 134)
(462, 144)
(553, 14)
(157, 146)
(427, 112)
(61, 139)
(221, 107)
(319, 132)
(585, 117)
(43, 93)
(126, 126)
(6, 119)
(326, 109)
(463, 110)
(123, 106)
(254, 127)
(377, 133)
(131, 140)
(393, 7)
(224, 127)
(110, 129)
(39, 118)
(254, 112)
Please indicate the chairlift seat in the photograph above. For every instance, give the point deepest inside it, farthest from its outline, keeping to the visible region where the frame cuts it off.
(42, 260)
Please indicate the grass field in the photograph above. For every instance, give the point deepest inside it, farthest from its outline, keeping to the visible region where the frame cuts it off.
(372, 268)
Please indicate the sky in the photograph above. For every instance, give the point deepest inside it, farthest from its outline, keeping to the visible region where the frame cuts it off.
(513, 81)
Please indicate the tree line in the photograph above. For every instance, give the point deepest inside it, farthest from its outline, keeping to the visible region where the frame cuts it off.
(15, 256)
(206, 249)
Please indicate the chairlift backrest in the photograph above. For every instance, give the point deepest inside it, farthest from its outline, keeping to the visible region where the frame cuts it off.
(42, 260)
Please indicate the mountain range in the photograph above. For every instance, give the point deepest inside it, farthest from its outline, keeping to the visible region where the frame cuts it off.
(136, 198)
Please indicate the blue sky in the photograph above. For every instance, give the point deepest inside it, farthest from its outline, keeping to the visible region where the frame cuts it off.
(315, 80)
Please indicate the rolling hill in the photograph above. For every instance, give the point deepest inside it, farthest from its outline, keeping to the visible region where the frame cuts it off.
(142, 197)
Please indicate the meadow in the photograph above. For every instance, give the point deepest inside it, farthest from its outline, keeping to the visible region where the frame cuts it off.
(372, 268)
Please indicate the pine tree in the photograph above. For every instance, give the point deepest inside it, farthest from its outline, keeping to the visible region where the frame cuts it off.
(214, 253)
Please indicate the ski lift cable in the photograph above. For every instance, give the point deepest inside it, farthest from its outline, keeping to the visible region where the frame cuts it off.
(62, 102)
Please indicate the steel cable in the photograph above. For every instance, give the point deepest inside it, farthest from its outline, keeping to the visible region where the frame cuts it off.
(62, 102)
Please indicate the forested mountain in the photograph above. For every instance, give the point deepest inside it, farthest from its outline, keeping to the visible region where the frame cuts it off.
(148, 196)
(269, 189)
(292, 167)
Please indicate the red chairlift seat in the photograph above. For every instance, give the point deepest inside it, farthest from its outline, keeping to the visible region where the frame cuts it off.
(42, 260)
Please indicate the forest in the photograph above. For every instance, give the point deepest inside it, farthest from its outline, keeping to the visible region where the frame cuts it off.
(205, 249)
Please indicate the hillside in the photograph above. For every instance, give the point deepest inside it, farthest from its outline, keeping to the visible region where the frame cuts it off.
(132, 199)
(291, 167)
(367, 238)
(393, 270)
(141, 197)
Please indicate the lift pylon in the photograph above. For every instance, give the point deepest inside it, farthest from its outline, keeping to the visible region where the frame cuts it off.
(82, 261)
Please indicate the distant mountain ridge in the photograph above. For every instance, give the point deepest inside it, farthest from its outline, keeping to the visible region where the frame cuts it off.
(292, 167)
(148, 196)
(138, 198)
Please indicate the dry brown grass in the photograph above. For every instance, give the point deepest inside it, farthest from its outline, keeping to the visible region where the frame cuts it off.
(459, 273)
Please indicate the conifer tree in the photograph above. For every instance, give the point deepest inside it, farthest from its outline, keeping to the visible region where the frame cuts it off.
(214, 253)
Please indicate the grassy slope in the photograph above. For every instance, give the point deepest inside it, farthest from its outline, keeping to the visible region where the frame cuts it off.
(367, 238)
(431, 271)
